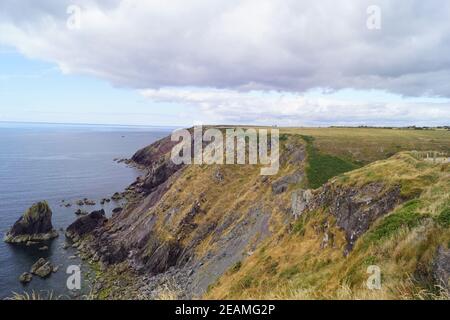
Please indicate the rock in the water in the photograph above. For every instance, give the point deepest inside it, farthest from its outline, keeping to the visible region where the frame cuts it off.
(43, 248)
(80, 212)
(42, 268)
(105, 200)
(116, 196)
(85, 224)
(25, 277)
(34, 225)
(89, 202)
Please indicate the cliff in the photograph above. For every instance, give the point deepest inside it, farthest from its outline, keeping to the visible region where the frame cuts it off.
(225, 231)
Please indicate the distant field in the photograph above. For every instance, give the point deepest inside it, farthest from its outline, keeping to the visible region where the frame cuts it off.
(365, 145)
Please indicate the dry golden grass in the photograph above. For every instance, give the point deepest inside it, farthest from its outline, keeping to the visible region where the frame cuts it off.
(293, 266)
(34, 295)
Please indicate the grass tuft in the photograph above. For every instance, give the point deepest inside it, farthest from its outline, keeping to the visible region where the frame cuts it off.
(444, 218)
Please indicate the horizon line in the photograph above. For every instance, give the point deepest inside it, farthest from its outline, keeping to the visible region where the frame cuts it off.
(215, 125)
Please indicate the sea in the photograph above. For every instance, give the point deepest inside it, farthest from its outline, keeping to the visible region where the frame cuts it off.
(56, 163)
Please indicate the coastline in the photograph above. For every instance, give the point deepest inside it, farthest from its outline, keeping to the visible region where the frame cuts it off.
(63, 166)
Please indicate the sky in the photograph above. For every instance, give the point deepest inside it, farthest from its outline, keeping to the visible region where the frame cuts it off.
(272, 62)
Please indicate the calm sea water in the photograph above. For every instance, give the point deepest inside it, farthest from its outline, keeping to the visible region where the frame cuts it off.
(54, 163)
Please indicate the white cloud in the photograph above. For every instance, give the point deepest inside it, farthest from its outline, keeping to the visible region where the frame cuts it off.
(250, 44)
(239, 46)
(229, 106)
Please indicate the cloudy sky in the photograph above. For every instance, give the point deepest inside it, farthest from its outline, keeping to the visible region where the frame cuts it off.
(178, 62)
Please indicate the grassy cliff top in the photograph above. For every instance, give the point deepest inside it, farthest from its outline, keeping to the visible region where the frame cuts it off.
(365, 145)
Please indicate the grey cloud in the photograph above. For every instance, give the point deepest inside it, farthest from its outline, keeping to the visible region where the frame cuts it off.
(244, 45)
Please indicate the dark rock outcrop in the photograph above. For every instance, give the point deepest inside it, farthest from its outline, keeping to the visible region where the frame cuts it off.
(282, 184)
(153, 154)
(356, 208)
(156, 159)
(85, 225)
(159, 173)
(117, 210)
(441, 268)
(116, 196)
(34, 226)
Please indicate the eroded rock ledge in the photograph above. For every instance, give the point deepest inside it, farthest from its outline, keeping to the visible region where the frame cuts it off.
(355, 208)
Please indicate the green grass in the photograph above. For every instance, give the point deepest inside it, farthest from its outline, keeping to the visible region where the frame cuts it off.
(36, 209)
(284, 137)
(245, 283)
(407, 216)
(322, 167)
(299, 227)
(236, 267)
(290, 272)
(365, 145)
(444, 218)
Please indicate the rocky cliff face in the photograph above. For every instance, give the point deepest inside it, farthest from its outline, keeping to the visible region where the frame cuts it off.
(35, 225)
(185, 226)
(188, 225)
(391, 215)
(85, 225)
(441, 268)
(355, 208)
